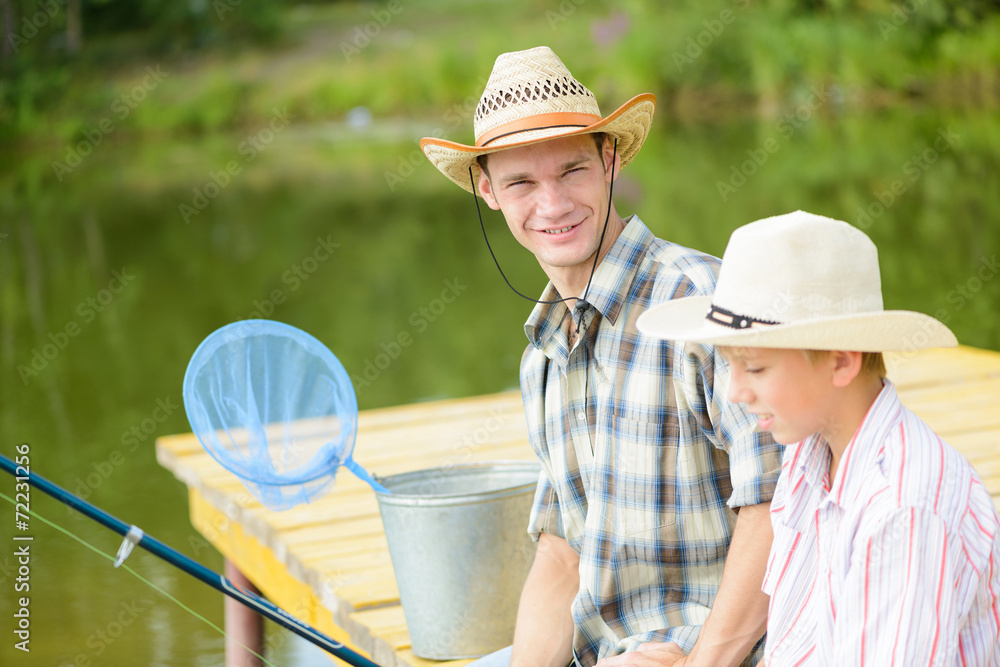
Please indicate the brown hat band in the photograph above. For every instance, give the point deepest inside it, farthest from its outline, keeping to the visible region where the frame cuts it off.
(538, 122)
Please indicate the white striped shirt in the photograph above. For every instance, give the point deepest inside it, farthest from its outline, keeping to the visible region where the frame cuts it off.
(897, 564)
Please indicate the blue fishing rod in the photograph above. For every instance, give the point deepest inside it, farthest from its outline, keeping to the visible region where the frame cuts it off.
(134, 536)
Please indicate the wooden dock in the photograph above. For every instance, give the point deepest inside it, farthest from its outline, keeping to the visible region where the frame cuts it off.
(328, 563)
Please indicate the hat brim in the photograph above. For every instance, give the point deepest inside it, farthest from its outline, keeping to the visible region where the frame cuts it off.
(629, 124)
(884, 331)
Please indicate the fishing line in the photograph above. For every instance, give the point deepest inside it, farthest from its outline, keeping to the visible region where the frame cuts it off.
(597, 254)
(141, 578)
(135, 537)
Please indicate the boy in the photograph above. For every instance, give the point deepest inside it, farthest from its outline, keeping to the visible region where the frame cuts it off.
(886, 543)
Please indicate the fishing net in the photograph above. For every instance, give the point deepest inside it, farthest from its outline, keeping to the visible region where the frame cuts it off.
(274, 406)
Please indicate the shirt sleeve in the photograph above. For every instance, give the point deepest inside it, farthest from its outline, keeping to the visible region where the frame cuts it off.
(754, 457)
(899, 603)
(545, 515)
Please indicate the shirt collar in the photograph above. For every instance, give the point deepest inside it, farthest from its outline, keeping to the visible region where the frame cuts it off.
(608, 288)
(811, 458)
(867, 446)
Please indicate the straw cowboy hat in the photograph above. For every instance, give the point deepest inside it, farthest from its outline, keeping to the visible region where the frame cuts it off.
(798, 281)
(531, 97)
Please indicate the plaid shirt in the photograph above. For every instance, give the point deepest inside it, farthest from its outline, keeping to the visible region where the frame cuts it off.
(642, 455)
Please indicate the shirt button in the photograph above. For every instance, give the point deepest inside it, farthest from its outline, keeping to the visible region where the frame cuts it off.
(582, 416)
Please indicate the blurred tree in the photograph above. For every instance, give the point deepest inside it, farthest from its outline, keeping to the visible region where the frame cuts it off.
(74, 27)
(7, 17)
(46, 41)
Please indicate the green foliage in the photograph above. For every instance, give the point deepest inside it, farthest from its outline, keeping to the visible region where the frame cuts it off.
(39, 60)
(767, 50)
(320, 61)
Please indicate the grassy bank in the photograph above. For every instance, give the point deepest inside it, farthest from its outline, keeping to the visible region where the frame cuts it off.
(403, 61)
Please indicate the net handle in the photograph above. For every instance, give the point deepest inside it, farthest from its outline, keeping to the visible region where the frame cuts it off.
(363, 475)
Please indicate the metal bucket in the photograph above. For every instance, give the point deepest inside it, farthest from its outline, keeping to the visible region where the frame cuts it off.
(459, 545)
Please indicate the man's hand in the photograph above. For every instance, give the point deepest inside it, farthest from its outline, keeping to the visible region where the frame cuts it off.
(650, 654)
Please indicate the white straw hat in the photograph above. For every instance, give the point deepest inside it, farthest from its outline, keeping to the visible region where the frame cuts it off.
(531, 97)
(798, 281)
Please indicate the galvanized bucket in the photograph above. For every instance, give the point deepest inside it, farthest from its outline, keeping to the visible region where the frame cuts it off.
(458, 541)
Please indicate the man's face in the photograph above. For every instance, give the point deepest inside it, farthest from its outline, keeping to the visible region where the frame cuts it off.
(791, 396)
(554, 196)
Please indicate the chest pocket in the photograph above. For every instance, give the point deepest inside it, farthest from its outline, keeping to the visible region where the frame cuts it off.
(644, 465)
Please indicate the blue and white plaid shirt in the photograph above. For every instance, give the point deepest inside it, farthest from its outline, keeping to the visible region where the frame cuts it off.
(643, 458)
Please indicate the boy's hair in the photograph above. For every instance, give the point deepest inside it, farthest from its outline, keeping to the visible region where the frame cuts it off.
(598, 139)
(872, 363)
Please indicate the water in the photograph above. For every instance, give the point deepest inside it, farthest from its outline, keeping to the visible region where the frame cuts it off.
(107, 285)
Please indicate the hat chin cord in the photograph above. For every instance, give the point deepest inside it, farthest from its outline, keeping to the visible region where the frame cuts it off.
(581, 304)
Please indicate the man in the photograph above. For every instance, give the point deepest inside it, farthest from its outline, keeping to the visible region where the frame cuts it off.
(644, 462)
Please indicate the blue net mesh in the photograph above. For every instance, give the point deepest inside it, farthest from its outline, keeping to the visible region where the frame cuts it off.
(274, 406)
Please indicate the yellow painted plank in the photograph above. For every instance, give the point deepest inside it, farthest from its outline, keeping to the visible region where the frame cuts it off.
(388, 629)
(374, 588)
(258, 564)
(358, 562)
(342, 548)
(391, 618)
(941, 366)
(971, 393)
(408, 658)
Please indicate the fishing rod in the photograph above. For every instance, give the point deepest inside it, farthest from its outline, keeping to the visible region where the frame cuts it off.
(134, 536)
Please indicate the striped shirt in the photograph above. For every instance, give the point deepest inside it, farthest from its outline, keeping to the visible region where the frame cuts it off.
(897, 564)
(642, 455)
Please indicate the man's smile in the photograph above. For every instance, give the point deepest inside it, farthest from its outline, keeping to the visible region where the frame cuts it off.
(560, 230)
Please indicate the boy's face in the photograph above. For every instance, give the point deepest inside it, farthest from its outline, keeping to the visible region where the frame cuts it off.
(791, 396)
